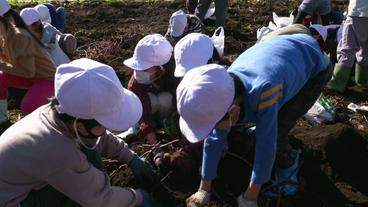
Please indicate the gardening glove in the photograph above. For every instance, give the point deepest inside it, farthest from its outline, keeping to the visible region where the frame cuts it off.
(131, 131)
(147, 201)
(242, 202)
(200, 198)
(142, 171)
(340, 78)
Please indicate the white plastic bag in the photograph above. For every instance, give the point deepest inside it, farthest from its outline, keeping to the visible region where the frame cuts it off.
(318, 114)
(265, 30)
(282, 21)
(211, 11)
(218, 39)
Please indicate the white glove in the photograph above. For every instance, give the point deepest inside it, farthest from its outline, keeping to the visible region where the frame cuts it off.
(242, 202)
(200, 198)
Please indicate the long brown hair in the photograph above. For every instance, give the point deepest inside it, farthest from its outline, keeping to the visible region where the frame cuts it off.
(5, 22)
(19, 23)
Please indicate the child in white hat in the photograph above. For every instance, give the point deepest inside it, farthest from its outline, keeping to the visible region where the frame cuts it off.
(50, 36)
(55, 151)
(152, 81)
(192, 51)
(272, 89)
(182, 24)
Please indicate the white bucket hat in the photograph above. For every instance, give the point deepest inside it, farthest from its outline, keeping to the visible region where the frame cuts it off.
(44, 13)
(322, 30)
(87, 89)
(178, 22)
(203, 98)
(192, 51)
(30, 15)
(4, 7)
(152, 50)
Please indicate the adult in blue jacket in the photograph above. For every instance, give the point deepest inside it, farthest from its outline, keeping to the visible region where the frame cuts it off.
(274, 83)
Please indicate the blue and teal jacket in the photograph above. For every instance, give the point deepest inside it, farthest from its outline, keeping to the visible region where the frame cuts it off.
(272, 72)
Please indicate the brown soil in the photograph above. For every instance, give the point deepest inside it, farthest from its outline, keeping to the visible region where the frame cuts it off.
(335, 156)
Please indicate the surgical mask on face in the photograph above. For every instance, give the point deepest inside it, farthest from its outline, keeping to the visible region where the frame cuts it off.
(79, 140)
(142, 77)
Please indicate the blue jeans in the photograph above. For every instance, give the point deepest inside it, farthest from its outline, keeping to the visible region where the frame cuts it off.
(58, 16)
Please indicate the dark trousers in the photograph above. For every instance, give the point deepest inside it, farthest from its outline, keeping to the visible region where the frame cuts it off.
(293, 110)
(58, 16)
(50, 197)
(200, 7)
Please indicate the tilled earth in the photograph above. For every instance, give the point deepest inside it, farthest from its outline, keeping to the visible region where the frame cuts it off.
(334, 156)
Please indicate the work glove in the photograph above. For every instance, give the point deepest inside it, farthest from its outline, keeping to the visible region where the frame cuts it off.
(200, 198)
(142, 171)
(147, 201)
(131, 131)
(242, 202)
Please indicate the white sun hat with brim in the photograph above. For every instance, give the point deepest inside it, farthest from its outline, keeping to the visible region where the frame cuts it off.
(203, 97)
(192, 51)
(178, 22)
(322, 30)
(87, 89)
(44, 13)
(152, 50)
(4, 7)
(30, 15)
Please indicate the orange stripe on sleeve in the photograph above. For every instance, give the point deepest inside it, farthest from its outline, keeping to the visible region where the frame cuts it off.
(270, 102)
(271, 91)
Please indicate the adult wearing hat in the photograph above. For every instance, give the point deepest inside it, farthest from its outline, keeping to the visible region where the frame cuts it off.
(271, 94)
(153, 82)
(59, 45)
(181, 24)
(24, 63)
(352, 47)
(51, 157)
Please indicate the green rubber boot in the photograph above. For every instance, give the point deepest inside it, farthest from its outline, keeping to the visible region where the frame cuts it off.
(361, 75)
(340, 78)
(3, 110)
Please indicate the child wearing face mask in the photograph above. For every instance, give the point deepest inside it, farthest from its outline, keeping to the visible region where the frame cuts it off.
(153, 82)
(60, 46)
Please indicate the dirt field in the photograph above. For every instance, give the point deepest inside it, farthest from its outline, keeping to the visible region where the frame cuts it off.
(334, 156)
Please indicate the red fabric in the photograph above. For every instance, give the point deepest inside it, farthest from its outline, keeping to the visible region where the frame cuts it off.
(38, 90)
(141, 90)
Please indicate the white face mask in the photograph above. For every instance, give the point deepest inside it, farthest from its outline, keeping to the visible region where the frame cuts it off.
(142, 77)
(79, 140)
